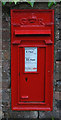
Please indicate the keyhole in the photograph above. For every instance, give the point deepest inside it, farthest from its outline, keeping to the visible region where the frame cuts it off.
(26, 79)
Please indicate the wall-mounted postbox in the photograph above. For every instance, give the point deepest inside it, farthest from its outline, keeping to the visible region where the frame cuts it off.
(32, 52)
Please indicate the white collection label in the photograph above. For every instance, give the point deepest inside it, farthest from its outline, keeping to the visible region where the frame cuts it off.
(30, 59)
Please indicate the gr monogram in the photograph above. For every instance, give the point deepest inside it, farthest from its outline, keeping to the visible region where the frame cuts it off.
(32, 20)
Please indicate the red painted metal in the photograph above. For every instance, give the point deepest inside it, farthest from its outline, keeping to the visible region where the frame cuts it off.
(23, 32)
(32, 90)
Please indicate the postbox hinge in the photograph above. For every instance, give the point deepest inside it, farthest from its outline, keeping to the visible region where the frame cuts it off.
(19, 73)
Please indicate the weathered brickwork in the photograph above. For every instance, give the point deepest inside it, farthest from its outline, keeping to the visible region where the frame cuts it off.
(58, 64)
(6, 80)
(0, 60)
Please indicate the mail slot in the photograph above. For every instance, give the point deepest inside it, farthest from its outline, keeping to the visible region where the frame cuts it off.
(32, 58)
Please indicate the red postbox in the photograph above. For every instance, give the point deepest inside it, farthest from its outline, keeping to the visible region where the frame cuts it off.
(32, 58)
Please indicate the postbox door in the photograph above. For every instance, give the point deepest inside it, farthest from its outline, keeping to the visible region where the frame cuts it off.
(32, 73)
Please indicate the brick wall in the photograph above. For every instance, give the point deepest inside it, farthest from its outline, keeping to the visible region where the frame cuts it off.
(0, 60)
(58, 66)
(6, 84)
